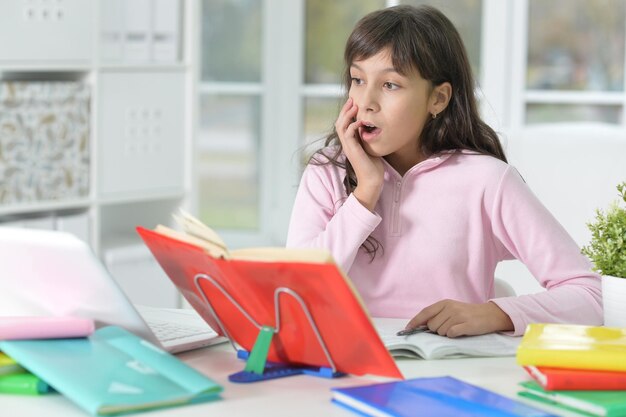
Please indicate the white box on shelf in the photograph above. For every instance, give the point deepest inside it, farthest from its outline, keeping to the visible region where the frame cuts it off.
(141, 277)
(141, 131)
(165, 30)
(45, 31)
(76, 224)
(111, 30)
(137, 30)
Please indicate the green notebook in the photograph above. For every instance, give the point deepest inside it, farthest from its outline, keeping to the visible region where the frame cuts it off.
(23, 383)
(112, 372)
(596, 403)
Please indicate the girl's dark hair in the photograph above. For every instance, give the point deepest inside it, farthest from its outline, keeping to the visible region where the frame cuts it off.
(423, 39)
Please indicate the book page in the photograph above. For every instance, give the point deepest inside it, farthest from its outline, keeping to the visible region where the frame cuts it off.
(210, 248)
(194, 227)
(432, 346)
(202, 235)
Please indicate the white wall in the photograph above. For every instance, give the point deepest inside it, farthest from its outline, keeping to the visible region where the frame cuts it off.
(573, 169)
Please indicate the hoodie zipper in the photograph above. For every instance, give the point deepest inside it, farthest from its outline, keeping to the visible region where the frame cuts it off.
(397, 190)
(395, 217)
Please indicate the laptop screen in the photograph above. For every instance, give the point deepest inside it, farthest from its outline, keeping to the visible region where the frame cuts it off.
(45, 272)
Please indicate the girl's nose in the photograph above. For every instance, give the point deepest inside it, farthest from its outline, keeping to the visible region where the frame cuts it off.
(368, 100)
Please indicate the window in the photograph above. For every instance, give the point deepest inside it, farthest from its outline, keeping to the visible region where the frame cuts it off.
(238, 189)
(270, 86)
(227, 160)
(575, 69)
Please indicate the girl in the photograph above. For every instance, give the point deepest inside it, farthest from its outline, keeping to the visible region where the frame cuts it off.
(414, 198)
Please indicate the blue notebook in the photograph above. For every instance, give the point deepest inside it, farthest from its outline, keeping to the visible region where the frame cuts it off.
(426, 397)
(112, 372)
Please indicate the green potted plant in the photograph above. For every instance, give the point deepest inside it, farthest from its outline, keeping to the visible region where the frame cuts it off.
(607, 251)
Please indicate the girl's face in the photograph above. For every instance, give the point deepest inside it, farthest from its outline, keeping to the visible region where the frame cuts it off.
(394, 108)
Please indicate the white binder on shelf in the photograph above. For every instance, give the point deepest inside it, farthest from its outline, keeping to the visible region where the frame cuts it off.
(112, 30)
(46, 31)
(137, 30)
(166, 30)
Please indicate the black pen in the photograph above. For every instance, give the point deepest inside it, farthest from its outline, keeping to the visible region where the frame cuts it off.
(408, 332)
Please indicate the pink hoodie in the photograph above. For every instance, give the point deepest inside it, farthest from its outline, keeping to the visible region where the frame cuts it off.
(443, 228)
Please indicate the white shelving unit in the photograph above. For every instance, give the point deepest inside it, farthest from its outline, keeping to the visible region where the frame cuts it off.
(135, 58)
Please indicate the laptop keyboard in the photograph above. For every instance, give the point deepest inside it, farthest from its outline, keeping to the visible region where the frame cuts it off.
(166, 331)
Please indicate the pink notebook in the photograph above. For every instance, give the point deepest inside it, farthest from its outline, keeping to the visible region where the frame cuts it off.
(21, 327)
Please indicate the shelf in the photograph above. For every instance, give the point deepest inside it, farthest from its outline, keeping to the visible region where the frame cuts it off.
(143, 67)
(146, 197)
(43, 207)
(128, 160)
(45, 67)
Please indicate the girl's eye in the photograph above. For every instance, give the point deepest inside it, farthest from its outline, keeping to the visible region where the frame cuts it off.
(357, 81)
(391, 86)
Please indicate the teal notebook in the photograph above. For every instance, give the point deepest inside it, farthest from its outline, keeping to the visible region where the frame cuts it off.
(112, 372)
(596, 403)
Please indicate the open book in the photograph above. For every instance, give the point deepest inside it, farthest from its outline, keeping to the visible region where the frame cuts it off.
(198, 234)
(301, 294)
(428, 345)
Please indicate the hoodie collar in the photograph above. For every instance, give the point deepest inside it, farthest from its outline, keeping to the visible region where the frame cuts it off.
(427, 164)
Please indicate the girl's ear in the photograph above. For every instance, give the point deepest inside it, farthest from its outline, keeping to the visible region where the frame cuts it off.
(439, 98)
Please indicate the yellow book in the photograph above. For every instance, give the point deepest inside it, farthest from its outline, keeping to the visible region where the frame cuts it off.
(573, 346)
(9, 366)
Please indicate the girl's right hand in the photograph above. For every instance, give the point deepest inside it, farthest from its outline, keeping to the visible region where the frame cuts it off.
(369, 169)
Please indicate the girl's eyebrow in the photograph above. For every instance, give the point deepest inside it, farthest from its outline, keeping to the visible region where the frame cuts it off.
(385, 70)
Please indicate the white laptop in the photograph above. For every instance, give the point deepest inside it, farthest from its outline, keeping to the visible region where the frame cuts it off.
(45, 273)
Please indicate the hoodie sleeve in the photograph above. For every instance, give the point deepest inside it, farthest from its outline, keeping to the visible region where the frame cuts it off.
(529, 232)
(323, 217)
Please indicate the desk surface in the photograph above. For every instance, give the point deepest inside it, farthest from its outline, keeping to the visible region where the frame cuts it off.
(298, 395)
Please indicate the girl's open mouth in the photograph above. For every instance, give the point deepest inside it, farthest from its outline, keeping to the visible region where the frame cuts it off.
(368, 131)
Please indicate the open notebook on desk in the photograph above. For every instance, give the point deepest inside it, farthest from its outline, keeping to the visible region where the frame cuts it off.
(51, 273)
(428, 345)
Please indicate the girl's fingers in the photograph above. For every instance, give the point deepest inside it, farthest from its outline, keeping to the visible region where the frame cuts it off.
(347, 105)
(345, 116)
(460, 329)
(353, 126)
(425, 315)
(350, 132)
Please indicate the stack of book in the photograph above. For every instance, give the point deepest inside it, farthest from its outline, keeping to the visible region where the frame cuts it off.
(582, 368)
(16, 380)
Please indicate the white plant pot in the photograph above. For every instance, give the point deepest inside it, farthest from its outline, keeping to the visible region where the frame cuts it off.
(614, 299)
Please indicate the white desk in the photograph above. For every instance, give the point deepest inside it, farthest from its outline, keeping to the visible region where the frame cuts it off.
(293, 396)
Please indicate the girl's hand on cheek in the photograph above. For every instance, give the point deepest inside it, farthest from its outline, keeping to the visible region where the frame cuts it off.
(455, 318)
(369, 169)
